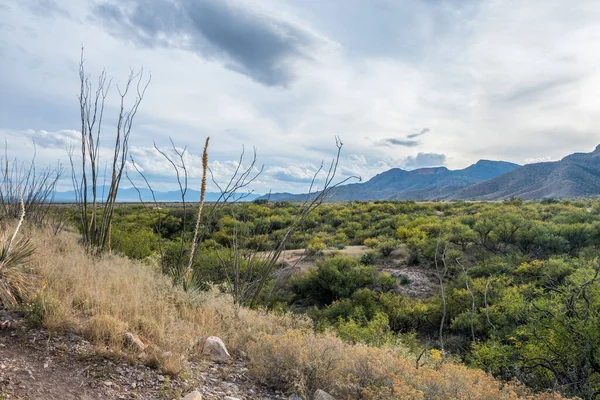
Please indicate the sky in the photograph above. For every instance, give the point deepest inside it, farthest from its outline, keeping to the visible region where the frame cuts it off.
(404, 83)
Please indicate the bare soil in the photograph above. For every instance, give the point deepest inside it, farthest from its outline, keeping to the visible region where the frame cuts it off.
(39, 366)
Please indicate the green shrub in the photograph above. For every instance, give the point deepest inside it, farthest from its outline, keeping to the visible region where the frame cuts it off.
(333, 279)
(404, 280)
(371, 243)
(386, 248)
(315, 246)
(375, 332)
(368, 258)
(139, 243)
(387, 282)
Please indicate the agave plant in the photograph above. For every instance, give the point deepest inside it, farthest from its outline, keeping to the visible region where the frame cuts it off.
(14, 253)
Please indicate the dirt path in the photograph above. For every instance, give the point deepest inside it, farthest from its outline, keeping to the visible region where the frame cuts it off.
(29, 370)
(37, 366)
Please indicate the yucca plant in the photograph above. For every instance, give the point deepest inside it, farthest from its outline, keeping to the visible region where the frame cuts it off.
(14, 254)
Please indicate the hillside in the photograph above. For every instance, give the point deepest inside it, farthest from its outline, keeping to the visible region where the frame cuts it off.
(418, 184)
(576, 175)
(69, 342)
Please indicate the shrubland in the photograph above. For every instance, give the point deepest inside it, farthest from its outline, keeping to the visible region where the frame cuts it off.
(514, 315)
(519, 279)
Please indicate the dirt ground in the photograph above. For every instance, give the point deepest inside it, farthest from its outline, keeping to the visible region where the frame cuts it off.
(35, 365)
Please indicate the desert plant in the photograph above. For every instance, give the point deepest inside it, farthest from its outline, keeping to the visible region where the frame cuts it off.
(97, 213)
(14, 253)
(21, 182)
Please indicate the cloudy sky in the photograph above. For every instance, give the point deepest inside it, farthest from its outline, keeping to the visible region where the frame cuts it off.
(404, 83)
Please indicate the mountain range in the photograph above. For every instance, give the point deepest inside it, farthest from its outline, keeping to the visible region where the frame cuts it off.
(576, 175)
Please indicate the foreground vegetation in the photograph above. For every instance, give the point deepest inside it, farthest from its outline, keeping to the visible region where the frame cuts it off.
(517, 283)
(102, 298)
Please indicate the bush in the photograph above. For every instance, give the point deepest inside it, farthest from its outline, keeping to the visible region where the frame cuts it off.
(334, 278)
(139, 243)
(315, 246)
(368, 258)
(386, 248)
(371, 243)
(404, 280)
(297, 362)
(375, 332)
(387, 281)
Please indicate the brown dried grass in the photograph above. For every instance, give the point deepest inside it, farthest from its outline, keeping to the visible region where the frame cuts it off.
(102, 298)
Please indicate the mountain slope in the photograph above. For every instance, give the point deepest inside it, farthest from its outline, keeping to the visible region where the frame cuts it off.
(576, 175)
(419, 184)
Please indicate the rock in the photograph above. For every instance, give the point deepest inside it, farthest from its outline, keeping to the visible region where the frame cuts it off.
(215, 349)
(322, 395)
(230, 398)
(134, 341)
(195, 395)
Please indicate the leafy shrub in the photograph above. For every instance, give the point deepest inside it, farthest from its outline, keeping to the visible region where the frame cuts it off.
(368, 258)
(139, 243)
(334, 278)
(375, 332)
(386, 248)
(387, 281)
(315, 246)
(371, 243)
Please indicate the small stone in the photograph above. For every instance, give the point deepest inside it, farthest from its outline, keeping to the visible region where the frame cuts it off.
(107, 383)
(230, 398)
(215, 349)
(195, 395)
(134, 341)
(322, 395)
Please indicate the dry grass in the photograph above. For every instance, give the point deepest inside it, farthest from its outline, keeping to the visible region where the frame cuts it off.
(104, 298)
(302, 362)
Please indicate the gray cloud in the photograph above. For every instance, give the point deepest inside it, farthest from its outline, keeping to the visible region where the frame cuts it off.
(53, 140)
(414, 135)
(539, 90)
(45, 8)
(401, 142)
(422, 160)
(286, 176)
(258, 45)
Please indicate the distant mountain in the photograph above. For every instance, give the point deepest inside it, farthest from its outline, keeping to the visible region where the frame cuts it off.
(131, 195)
(576, 175)
(419, 184)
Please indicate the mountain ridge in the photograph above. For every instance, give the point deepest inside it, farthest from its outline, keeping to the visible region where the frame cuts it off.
(575, 175)
(422, 183)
